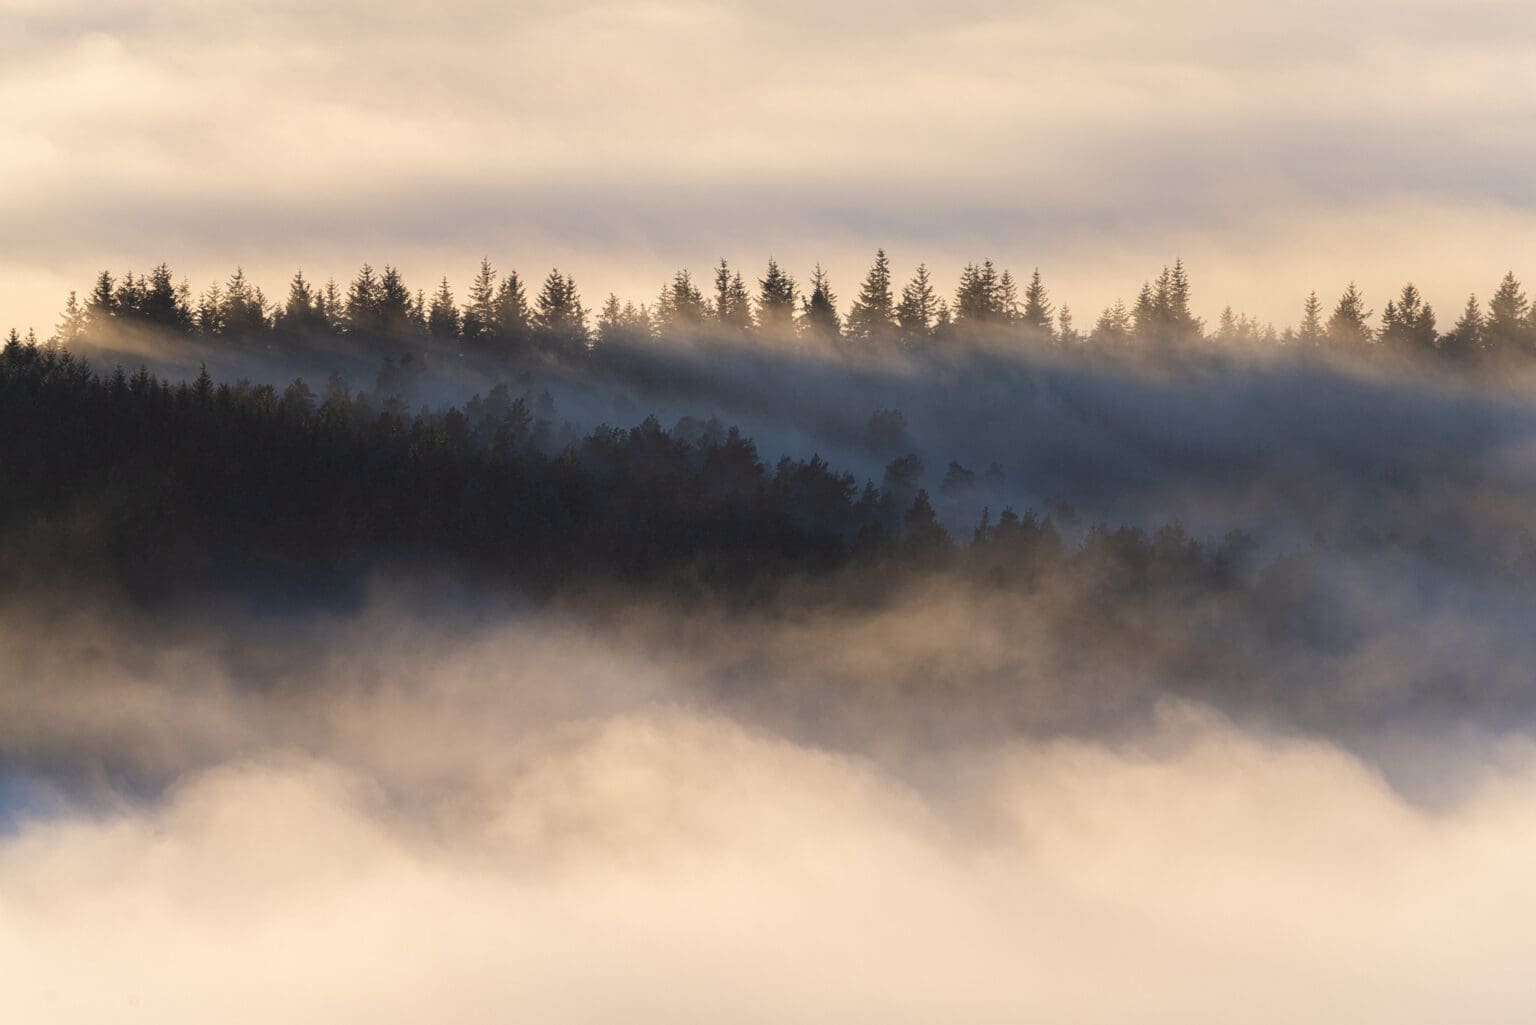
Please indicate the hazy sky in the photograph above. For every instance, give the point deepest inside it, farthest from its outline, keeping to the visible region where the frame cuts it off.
(1276, 148)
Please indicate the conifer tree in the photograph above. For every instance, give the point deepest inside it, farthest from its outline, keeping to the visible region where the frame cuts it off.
(821, 321)
(1505, 332)
(776, 302)
(73, 323)
(1037, 308)
(479, 321)
(101, 304)
(1464, 343)
(443, 315)
(918, 309)
(512, 316)
(872, 317)
(363, 302)
(560, 320)
(1408, 324)
(1348, 329)
(1311, 332)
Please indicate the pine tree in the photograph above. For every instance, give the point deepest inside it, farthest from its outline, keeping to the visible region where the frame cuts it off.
(210, 312)
(72, 326)
(978, 299)
(1037, 308)
(821, 321)
(680, 308)
(560, 320)
(331, 307)
(1114, 328)
(101, 304)
(363, 302)
(1311, 332)
(1408, 324)
(512, 316)
(1506, 330)
(443, 315)
(1146, 317)
(479, 322)
(1465, 342)
(1348, 329)
(918, 309)
(776, 302)
(162, 305)
(301, 311)
(243, 311)
(397, 315)
(1181, 322)
(1066, 334)
(872, 317)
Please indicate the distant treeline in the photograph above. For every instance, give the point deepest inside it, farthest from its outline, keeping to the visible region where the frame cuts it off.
(170, 488)
(500, 319)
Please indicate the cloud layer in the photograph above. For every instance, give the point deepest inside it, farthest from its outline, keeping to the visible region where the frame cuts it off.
(1276, 150)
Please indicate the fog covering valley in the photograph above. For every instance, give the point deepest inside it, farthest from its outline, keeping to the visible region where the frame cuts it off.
(1141, 673)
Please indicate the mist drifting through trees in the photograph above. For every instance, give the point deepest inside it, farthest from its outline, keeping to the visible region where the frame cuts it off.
(1110, 601)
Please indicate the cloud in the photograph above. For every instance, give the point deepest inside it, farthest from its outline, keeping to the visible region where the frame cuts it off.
(622, 140)
(668, 865)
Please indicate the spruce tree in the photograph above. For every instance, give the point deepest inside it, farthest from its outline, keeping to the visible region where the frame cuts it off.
(776, 302)
(1348, 329)
(918, 309)
(1506, 330)
(443, 315)
(821, 322)
(1464, 343)
(479, 321)
(511, 315)
(1311, 332)
(1037, 308)
(872, 317)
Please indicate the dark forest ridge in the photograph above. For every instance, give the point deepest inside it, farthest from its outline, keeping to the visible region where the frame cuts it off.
(499, 317)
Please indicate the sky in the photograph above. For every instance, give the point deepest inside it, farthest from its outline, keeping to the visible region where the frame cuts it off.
(1276, 148)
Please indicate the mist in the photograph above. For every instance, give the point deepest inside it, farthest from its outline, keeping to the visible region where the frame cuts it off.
(412, 813)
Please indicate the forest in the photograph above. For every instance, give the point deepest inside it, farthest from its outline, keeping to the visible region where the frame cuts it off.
(503, 319)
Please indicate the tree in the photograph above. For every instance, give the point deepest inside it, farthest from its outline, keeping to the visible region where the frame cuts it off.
(1311, 333)
(479, 322)
(1464, 343)
(1114, 328)
(1036, 317)
(162, 303)
(1348, 329)
(1506, 331)
(918, 309)
(1408, 324)
(821, 322)
(776, 301)
(397, 315)
(1183, 324)
(733, 304)
(364, 297)
(243, 312)
(681, 309)
(1066, 333)
(978, 297)
(560, 320)
(73, 323)
(872, 317)
(511, 315)
(301, 312)
(1145, 317)
(101, 304)
(443, 315)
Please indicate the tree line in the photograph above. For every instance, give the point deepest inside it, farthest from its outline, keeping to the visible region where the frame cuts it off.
(498, 318)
